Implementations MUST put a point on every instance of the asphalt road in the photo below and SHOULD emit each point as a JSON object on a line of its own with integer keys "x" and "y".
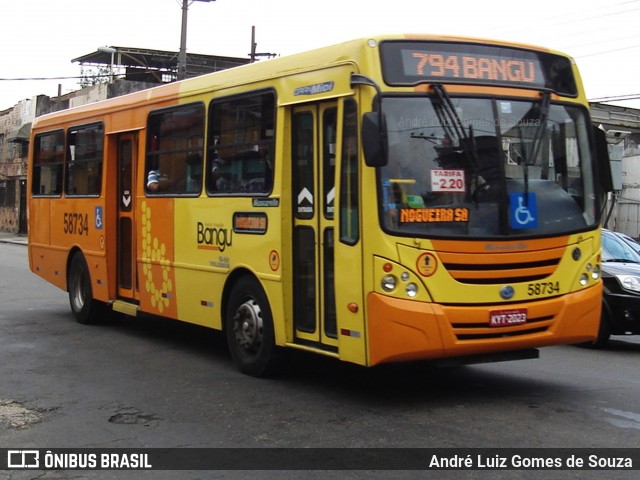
{"x": 146, "y": 382}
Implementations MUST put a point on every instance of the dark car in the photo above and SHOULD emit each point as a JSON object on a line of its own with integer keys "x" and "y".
{"x": 628, "y": 240}
{"x": 621, "y": 277}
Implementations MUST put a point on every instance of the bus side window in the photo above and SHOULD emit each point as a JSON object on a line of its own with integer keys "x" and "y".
{"x": 240, "y": 145}
{"x": 84, "y": 160}
{"x": 349, "y": 185}
{"x": 193, "y": 173}
{"x": 48, "y": 161}
{"x": 175, "y": 151}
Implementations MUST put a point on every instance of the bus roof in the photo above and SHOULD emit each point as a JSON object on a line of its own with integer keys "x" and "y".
{"x": 353, "y": 51}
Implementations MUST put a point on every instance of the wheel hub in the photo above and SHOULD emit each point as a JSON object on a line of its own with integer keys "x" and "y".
{"x": 248, "y": 326}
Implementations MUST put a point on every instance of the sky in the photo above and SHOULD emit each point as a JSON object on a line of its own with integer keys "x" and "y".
{"x": 41, "y": 37}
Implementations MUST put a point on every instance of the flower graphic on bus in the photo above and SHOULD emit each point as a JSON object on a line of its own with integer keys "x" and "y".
{"x": 154, "y": 253}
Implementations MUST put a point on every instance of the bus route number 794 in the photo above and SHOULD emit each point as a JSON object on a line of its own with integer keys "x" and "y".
{"x": 76, "y": 223}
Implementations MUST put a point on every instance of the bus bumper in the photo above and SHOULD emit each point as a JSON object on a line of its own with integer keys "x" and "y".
{"x": 405, "y": 330}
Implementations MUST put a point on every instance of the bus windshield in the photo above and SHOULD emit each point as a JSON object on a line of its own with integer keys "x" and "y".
{"x": 486, "y": 167}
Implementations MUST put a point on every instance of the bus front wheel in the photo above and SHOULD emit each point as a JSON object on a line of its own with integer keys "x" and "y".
{"x": 249, "y": 329}
{"x": 85, "y": 309}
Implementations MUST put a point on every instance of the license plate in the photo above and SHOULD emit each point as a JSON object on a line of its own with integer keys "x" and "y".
{"x": 507, "y": 318}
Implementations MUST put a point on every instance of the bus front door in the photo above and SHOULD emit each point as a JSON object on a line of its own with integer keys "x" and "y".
{"x": 126, "y": 208}
{"x": 314, "y": 136}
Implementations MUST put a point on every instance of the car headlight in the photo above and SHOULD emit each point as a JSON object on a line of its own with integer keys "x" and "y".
{"x": 629, "y": 282}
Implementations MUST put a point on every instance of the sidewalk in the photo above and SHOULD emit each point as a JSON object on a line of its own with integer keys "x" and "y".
{"x": 6, "y": 237}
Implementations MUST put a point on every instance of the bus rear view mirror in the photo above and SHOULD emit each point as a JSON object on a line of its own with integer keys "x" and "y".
{"x": 374, "y": 139}
{"x": 604, "y": 163}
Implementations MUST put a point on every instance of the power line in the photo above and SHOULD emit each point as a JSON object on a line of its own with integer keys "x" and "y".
{"x": 616, "y": 98}
{"x": 570, "y": 18}
{"x": 22, "y": 79}
{"x": 607, "y": 51}
{"x": 568, "y": 25}
{"x": 81, "y": 77}
{"x": 600, "y": 42}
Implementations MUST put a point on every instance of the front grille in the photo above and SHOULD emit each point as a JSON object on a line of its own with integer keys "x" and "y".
{"x": 496, "y": 268}
{"x": 500, "y": 263}
{"x": 480, "y": 331}
{"x": 484, "y": 336}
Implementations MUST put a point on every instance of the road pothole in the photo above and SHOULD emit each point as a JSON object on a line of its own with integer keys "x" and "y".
{"x": 133, "y": 417}
{"x": 15, "y": 415}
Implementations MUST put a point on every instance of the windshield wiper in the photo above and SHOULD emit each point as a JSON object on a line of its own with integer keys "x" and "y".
{"x": 447, "y": 114}
{"x": 541, "y": 118}
{"x": 453, "y": 127}
{"x": 542, "y": 126}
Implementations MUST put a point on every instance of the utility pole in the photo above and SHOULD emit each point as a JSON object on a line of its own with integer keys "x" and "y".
{"x": 254, "y": 45}
{"x": 253, "y": 55}
{"x": 182, "y": 54}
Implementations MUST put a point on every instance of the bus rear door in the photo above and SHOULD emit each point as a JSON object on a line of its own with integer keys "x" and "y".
{"x": 127, "y": 150}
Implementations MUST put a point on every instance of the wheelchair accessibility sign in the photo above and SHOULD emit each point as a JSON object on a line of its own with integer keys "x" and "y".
{"x": 523, "y": 212}
{"x": 99, "y": 218}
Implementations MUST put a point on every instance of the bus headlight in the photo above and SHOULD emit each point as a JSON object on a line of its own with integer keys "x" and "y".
{"x": 584, "y": 279}
{"x": 389, "y": 283}
{"x": 595, "y": 274}
{"x": 396, "y": 280}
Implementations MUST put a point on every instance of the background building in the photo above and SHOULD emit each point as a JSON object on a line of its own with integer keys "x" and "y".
{"x": 106, "y": 73}
{"x": 622, "y": 126}
{"x": 113, "y": 71}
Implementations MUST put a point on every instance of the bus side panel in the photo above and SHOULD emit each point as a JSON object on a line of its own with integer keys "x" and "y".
{"x": 156, "y": 257}
{"x": 39, "y": 236}
{"x": 79, "y": 223}
{"x": 97, "y": 264}
{"x": 48, "y": 256}
{"x": 50, "y": 263}
{"x": 209, "y": 245}
{"x": 199, "y": 295}
{"x": 39, "y": 218}
{"x": 202, "y": 238}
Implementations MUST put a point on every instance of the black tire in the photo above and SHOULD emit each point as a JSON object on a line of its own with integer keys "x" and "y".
{"x": 249, "y": 330}
{"x": 84, "y": 307}
{"x": 604, "y": 332}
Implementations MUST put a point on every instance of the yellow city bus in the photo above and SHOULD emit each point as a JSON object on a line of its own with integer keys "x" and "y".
{"x": 395, "y": 198}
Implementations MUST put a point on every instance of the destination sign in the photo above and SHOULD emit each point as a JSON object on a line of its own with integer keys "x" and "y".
{"x": 412, "y": 63}
{"x": 433, "y": 215}
{"x": 472, "y": 67}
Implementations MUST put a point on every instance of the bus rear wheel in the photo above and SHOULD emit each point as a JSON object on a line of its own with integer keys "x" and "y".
{"x": 84, "y": 307}
{"x": 249, "y": 329}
